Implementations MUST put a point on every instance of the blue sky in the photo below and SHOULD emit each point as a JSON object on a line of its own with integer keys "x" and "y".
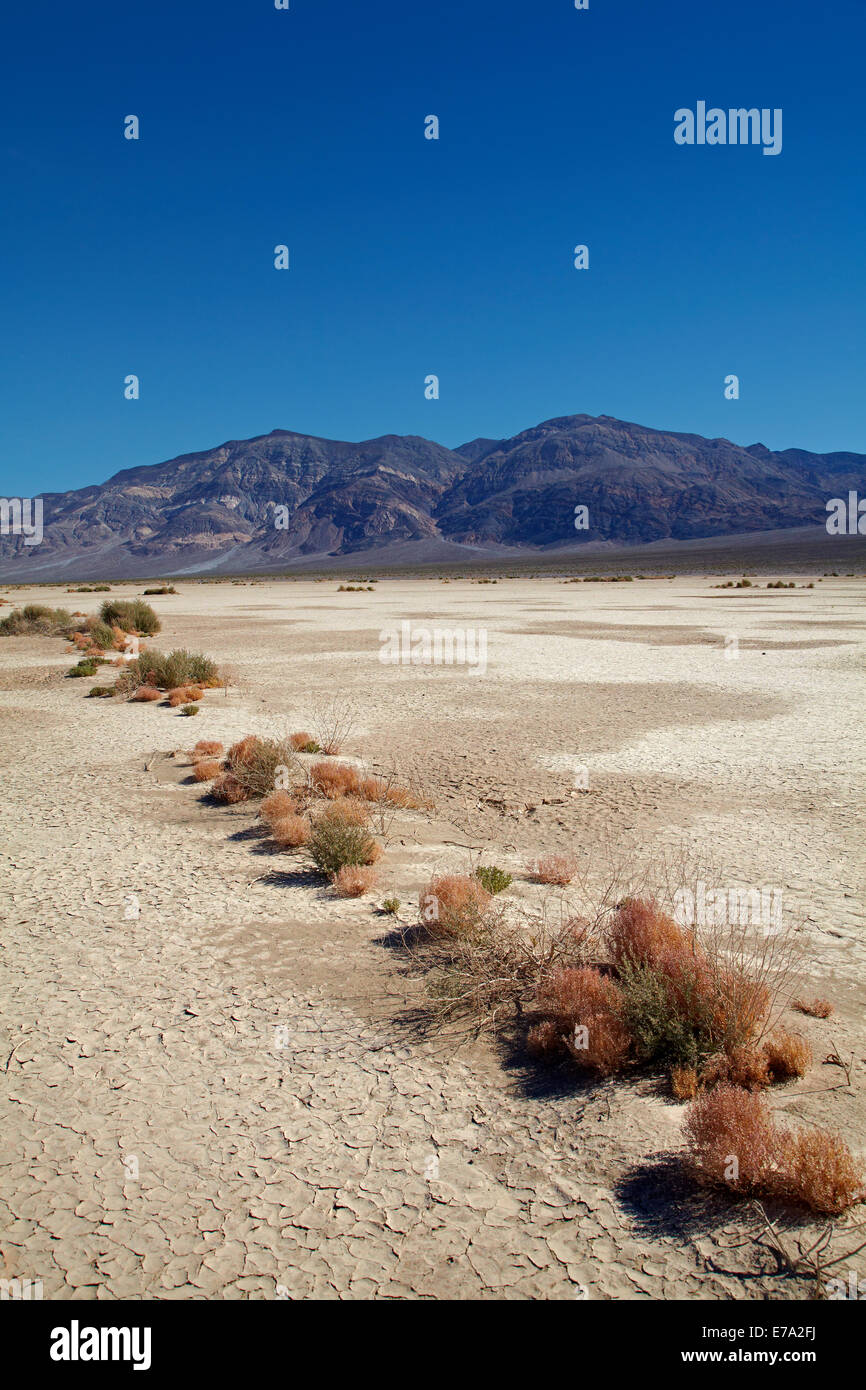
{"x": 410, "y": 256}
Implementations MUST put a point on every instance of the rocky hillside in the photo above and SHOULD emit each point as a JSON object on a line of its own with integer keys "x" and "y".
{"x": 284, "y": 498}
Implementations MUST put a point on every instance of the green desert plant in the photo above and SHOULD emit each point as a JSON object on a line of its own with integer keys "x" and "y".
{"x": 169, "y": 671}
{"x": 492, "y": 879}
{"x": 35, "y": 619}
{"x": 133, "y": 615}
{"x": 335, "y": 844}
{"x": 189, "y": 710}
{"x": 88, "y": 667}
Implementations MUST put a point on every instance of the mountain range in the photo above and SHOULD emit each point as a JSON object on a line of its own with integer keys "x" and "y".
{"x": 284, "y": 500}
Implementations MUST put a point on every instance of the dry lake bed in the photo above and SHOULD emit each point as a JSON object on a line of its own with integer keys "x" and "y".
{"x": 216, "y": 1077}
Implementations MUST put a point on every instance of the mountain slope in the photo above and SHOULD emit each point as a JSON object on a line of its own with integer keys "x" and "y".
{"x": 265, "y": 502}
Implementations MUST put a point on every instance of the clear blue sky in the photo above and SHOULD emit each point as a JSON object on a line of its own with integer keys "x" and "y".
{"x": 411, "y": 256}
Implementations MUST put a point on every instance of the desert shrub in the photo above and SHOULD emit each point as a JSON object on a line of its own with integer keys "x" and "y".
{"x": 165, "y": 589}
{"x": 87, "y": 667}
{"x": 257, "y": 762}
{"x": 349, "y": 810}
{"x": 454, "y": 903}
{"x": 552, "y": 868}
{"x": 643, "y": 935}
{"x": 820, "y": 1172}
{"x": 229, "y": 790}
{"x": 169, "y": 671}
{"x": 681, "y": 1003}
{"x": 101, "y": 634}
{"x": 277, "y": 806}
{"x": 788, "y": 1055}
{"x": 545, "y": 1039}
{"x": 335, "y": 779}
{"x": 207, "y": 748}
{"x": 352, "y": 881}
{"x": 133, "y": 615}
{"x": 291, "y": 831}
{"x": 815, "y": 1008}
{"x": 668, "y": 1023}
{"x": 36, "y": 619}
{"x": 391, "y": 906}
{"x": 492, "y": 879}
{"x": 304, "y": 743}
{"x": 145, "y": 692}
{"x": 732, "y": 1139}
{"x": 744, "y": 1066}
{"x": 586, "y": 1007}
{"x": 103, "y": 692}
{"x": 334, "y": 844}
{"x": 333, "y": 722}
{"x": 734, "y": 1142}
{"x": 684, "y": 1083}
{"x": 206, "y": 769}
{"x": 242, "y": 752}
{"x": 384, "y": 791}
{"x": 190, "y": 710}
{"x": 183, "y": 694}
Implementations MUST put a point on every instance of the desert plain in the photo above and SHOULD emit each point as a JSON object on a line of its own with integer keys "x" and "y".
{"x": 217, "y": 1077}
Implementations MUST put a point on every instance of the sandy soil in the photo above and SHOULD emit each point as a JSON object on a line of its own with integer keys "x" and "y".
{"x": 211, "y": 1084}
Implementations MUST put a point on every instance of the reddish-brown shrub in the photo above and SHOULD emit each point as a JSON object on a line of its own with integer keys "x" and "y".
{"x": 353, "y": 880}
{"x": 821, "y": 1172}
{"x": 243, "y": 751}
{"x": 815, "y": 1008}
{"x": 277, "y": 806}
{"x": 206, "y": 769}
{"x": 335, "y": 779}
{"x": 454, "y": 903}
{"x": 300, "y": 740}
{"x": 749, "y": 1067}
{"x": 553, "y": 868}
{"x": 643, "y": 934}
{"x": 545, "y": 1039}
{"x": 734, "y": 1142}
{"x": 587, "y": 1006}
{"x": 787, "y": 1055}
{"x": 207, "y": 748}
{"x": 385, "y": 792}
{"x": 349, "y": 810}
{"x": 228, "y": 789}
{"x": 183, "y": 695}
{"x": 290, "y": 831}
{"x": 732, "y": 1138}
{"x": 146, "y": 692}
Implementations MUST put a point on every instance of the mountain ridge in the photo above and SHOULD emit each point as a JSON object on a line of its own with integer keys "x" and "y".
{"x": 285, "y": 497}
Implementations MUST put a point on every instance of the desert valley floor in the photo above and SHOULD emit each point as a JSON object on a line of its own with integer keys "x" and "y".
{"x": 157, "y": 1143}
